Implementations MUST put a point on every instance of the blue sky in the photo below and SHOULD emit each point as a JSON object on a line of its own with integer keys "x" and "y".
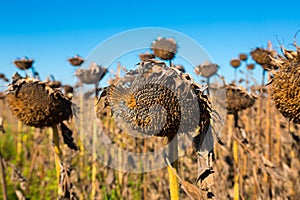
{"x": 52, "y": 31}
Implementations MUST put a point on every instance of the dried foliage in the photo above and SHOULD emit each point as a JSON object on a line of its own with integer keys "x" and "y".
{"x": 36, "y": 104}
{"x": 164, "y": 48}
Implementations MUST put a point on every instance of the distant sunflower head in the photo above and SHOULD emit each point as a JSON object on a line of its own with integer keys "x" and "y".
{"x": 23, "y": 63}
{"x": 158, "y": 101}
{"x": 235, "y": 63}
{"x": 3, "y": 77}
{"x": 92, "y": 75}
{"x": 164, "y": 48}
{"x": 76, "y": 61}
{"x": 250, "y": 66}
{"x": 206, "y": 69}
{"x": 237, "y": 99}
{"x": 146, "y": 56}
{"x": 243, "y": 56}
{"x": 285, "y": 85}
{"x": 36, "y": 104}
{"x": 264, "y": 57}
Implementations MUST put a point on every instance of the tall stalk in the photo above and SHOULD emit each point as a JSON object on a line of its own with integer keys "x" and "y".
{"x": 3, "y": 179}
{"x": 19, "y": 141}
{"x": 94, "y": 152}
{"x": 173, "y": 155}
{"x": 54, "y": 137}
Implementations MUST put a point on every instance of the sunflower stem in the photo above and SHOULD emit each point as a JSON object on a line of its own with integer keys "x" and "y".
{"x": 19, "y": 141}
{"x": 94, "y": 153}
{"x": 173, "y": 155}
{"x": 57, "y": 155}
{"x": 3, "y": 180}
{"x": 208, "y": 85}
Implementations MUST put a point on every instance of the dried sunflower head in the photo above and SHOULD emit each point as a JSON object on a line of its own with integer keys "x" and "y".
{"x": 206, "y": 69}
{"x": 250, "y": 66}
{"x": 263, "y": 57}
{"x": 76, "y": 61}
{"x": 243, "y": 57}
{"x": 92, "y": 75}
{"x": 3, "y": 77}
{"x": 159, "y": 101}
{"x": 164, "y": 48}
{"x": 285, "y": 85}
{"x": 146, "y": 56}
{"x": 36, "y": 104}
{"x": 23, "y": 63}
{"x": 235, "y": 63}
{"x": 237, "y": 99}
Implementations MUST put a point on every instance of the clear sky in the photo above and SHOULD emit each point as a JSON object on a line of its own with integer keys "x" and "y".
{"x": 52, "y": 31}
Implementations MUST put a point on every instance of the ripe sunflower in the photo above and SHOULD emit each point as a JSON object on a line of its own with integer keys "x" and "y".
{"x": 285, "y": 84}
{"x": 160, "y": 101}
{"x": 36, "y": 104}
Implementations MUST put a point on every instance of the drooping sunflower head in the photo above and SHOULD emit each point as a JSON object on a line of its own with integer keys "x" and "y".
{"x": 235, "y": 63}
{"x": 206, "y": 69}
{"x": 92, "y": 75}
{"x": 23, "y": 63}
{"x": 36, "y": 104}
{"x": 159, "y": 100}
{"x": 146, "y": 56}
{"x": 264, "y": 57}
{"x": 285, "y": 84}
{"x": 76, "y": 61}
{"x": 237, "y": 99}
{"x": 164, "y": 48}
{"x": 243, "y": 56}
